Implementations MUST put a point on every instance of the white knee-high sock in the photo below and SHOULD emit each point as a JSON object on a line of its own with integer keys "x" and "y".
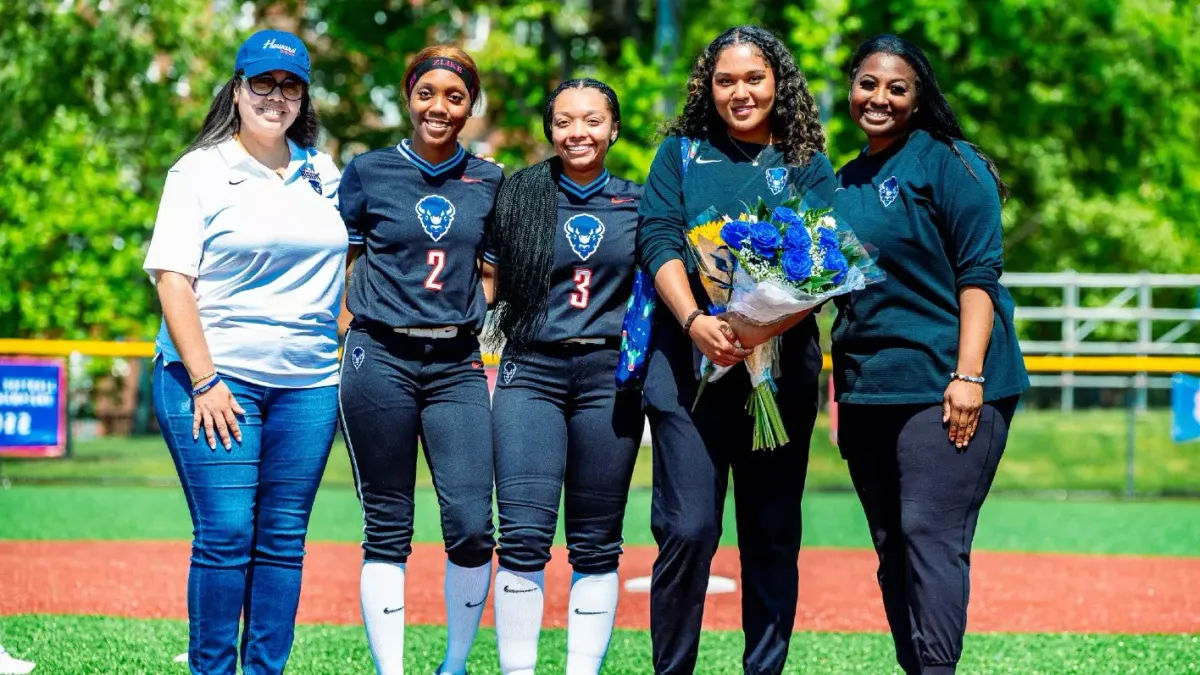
{"x": 518, "y": 601}
{"x": 466, "y": 591}
{"x": 382, "y": 591}
{"x": 592, "y": 611}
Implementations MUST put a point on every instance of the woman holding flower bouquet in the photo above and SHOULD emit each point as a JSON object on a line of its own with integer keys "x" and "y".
{"x": 749, "y": 131}
{"x": 927, "y": 366}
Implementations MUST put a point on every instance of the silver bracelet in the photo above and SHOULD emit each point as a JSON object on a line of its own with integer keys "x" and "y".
{"x": 966, "y": 378}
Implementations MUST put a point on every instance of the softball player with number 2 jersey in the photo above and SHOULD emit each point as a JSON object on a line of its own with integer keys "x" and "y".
{"x": 411, "y": 369}
{"x": 566, "y": 236}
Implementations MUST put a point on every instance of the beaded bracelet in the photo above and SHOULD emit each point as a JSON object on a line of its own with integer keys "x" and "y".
{"x": 205, "y": 387}
{"x": 966, "y": 378}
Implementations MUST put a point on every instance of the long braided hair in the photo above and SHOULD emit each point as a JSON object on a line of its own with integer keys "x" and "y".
{"x": 794, "y": 117}
{"x": 525, "y": 225}
{"x": 934, "y": 114}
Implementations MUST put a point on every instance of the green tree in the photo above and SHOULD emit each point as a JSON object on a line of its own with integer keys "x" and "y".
{"x": 1087, "y": 106}
{"x": 100, "y": 97}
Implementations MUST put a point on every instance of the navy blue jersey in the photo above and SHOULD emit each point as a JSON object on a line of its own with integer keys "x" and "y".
{"x": 592, "y": 272}
{"x": 424, "y": 229}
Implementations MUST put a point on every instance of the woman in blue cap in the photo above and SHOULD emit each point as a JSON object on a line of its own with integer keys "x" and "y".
{"x": 247, "y": 256}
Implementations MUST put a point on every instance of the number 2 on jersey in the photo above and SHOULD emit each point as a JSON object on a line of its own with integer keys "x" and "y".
{"x": 582, "y": 292}
{"x": 436, "y": 259}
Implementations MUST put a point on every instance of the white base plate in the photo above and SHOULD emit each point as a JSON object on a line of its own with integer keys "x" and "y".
{"x": 715, "y": 585}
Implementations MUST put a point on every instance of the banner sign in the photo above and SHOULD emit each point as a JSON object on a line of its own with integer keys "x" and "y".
{"x": 1185, "y": 408}
{"x": 33, "y": 407}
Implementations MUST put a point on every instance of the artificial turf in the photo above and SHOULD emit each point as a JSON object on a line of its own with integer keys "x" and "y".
{"x": 1081, "y": 451}
{"x": 86, "y": 645}
{"x": 1160, "y": 527}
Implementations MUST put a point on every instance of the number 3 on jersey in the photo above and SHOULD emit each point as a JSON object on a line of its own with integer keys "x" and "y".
{"x": 582, "y": 292}
{"x": 436, "y": 259}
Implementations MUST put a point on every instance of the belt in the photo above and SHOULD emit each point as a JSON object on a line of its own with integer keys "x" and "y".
{"x": 611, "y": 341}
{"x": 443, "y": 332}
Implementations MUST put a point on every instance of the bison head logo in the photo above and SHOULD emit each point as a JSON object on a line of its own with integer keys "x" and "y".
{"x": 584, "y": 233}
{"x": 436, "y": 214}
{"x": 777, "y": 179}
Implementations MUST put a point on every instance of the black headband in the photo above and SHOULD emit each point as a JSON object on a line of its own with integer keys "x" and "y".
{"x": 443, "y": 63}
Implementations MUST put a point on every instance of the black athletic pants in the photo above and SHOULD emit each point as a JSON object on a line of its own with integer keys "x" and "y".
{"x": 394, "y": 389}
{"x": 922, "y": 496}
{"x": 559, "y": 426}
{"x": 693, "y": 456}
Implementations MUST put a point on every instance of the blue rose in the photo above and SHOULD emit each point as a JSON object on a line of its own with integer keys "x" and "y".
{"x": 797, "y": 264}
{"x": 786, "y": 216}
{"x": 797, "y": 237}
{"x": 764, "y": 238}
{"x": 835, "y": 261}
{"x": 735, "y": 233}
{"x": 827, "y": 238}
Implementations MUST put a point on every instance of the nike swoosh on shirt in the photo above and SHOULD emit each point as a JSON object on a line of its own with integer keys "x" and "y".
{"x": 237, "y": 182}
{"x": 706, "y": 161}
{"x": 471, "y": 180}
{"x": 622, "y": 201}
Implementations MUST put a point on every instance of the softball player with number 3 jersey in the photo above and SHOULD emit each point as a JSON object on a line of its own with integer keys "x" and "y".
{"x": 566, "y": 237}
{"x": 411, "y": 368}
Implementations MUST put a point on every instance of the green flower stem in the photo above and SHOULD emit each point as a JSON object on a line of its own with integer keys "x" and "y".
{"x": 769, "y": 432}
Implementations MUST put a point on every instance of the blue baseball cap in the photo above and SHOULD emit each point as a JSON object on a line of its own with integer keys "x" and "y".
{"x": 269, "y": 50}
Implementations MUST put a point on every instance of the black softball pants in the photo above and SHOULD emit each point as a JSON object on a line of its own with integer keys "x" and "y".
{"x": 394, "y": 390}
{"x": 560, "y": 427}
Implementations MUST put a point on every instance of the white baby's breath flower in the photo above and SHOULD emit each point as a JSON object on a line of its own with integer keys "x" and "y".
{"x": 828, "y": 221}
{"x": 818, "y": 258}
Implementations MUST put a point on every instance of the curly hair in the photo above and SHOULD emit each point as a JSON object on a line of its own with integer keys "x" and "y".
{"x": 794, "y": 117}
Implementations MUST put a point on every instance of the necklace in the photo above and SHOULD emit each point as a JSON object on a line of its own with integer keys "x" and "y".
{"x": 754, "y": 159}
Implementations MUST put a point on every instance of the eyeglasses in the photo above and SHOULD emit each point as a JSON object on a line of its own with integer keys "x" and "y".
{"x": 263, "y": 85}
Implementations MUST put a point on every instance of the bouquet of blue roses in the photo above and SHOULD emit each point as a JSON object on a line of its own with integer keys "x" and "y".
{"x": 765, "y": 265}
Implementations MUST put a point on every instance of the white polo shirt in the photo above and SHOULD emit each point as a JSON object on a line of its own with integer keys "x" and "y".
{"x": 268, "y": 258}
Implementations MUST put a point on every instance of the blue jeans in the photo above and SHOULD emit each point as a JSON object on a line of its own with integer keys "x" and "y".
{"x": 250, "y": 507}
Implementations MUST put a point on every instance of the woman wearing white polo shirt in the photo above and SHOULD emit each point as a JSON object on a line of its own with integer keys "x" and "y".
{"x": 247, "y": 255}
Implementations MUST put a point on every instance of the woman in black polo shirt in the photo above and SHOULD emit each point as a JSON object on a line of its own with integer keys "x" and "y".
{"x": 756, "y": 134}
{"x": 926, "y": 364}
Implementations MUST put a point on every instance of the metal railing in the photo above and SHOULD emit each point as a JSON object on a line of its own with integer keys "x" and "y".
{"x": 1133, "y": 303}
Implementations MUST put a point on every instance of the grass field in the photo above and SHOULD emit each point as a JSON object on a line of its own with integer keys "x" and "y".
{"x": 134, "y": 647}
{"x": 1047, "y": 451}
{"x": 62, "y": 500}
{"x": 1161, "y": 527}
